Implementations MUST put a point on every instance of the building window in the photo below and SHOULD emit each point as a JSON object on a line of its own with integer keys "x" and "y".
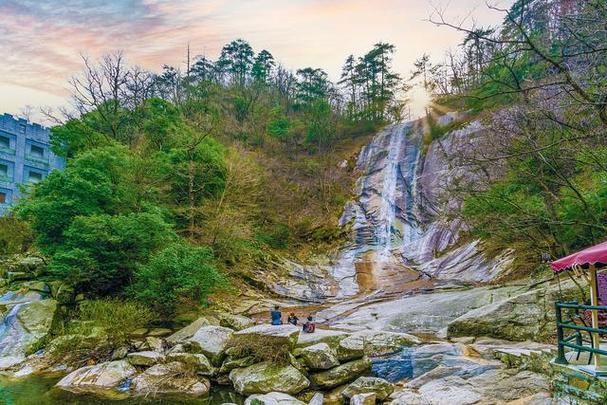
{"x": 6, "y": 171}
{"x": 5, "y": 142}
{"x": 3, "y": 198}
{"x": 36, "y": 151}
{"x": 34, "y": 177}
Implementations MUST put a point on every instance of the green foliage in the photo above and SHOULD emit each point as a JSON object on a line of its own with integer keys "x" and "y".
{"x": 147, "y": 173}
{"x": 522, "y": 212}
{"x": 237, "y": 60}
{"x": 279, "y": 126}
{"x": 202, "y": 163}
{"x": 371, "y": 84}
{"x": 99, "y": 181}
{"x": 276, "y": 236}
{"x": 96, "y": 220}
{"x": 259, "y": 349}
{"x": 160, "y": 122}
{"x": 117, "y": 318}
{"x": 178, "y": 273}
{"x": 97, "y": 328}
{"x": 16, "y": 236}
{"x": 320, "y": 128}
{"x": 76, "y": 135}
{"x": 99, "y": 253}
{"x": 499, "y": 82}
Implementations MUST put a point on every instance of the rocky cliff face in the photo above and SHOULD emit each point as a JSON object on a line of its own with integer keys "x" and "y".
{"x": 402, "y": 232}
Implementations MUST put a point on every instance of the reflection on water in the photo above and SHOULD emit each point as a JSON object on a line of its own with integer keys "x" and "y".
{"x": 39, "y": 391}
{"x": 394, "y": 367}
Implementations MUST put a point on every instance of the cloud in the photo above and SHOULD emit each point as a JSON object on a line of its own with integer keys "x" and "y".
{"x": 42, "y": 40}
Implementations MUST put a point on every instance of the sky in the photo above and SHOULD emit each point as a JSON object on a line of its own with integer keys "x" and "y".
{"x": 42, "y": 41}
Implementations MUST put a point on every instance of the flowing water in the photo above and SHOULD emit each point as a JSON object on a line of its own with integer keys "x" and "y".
{"x": 39, "y": 390}
{"x": 384, "y": 220}
{"x": 385, "y": 231}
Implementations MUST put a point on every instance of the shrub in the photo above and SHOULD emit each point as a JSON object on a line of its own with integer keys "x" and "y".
{"x": 259, "y": 349}
{"x": 16, "y": 236}
{"x": 97, "y": 328}
{"x": 118, "y": 318}
{"x": 177, "y": 273}
{"x": 100, "y": 252}
{"x": 276, "y": 236}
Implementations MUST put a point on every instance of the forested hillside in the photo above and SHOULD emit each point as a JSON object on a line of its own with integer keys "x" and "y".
{"x": 538, "y": 84}
{"x": 191, "y": 179}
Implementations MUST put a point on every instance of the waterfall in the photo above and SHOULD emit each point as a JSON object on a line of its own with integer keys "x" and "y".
{"x": 400, "y": 238}
{"x": 384, "y": 211}
{"x": 411, "y": 229}
{"x": 388, "y": 195}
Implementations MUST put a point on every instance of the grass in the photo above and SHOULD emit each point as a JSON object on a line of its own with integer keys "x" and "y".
{"x": 95, "y": 329}
{"x": 260, "y": 349}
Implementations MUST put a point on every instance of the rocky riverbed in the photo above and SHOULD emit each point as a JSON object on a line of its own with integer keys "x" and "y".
{"x": 406, "y": 313}
{"x": 359, "y": 355}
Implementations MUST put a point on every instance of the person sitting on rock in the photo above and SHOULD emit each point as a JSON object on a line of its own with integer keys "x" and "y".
{"x": 276, "y": 316}
{"x": 293, "y": 319}
{"x": 310, "y": 325}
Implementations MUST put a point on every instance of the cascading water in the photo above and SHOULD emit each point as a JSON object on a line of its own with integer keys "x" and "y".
{"x": 384, "y": 213}
{"x": 388, "y": 203}
{"x": 400, "y": 238}
{"x": 8, "y": 323}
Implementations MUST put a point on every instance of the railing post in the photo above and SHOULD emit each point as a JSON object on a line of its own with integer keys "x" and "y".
{"x": 560, "y": 357}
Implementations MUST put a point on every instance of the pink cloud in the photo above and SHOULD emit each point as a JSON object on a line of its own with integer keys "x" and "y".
{"x": 42, "y": 40}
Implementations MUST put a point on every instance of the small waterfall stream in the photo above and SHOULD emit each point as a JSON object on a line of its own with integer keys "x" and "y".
{"x": 383, "y": 218}
{"x": 402, "y": 237}
{"x": 388, "y": 203}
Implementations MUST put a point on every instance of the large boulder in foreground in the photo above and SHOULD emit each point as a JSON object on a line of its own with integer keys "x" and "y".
{"x": 99, "y": 378}
{"x": 168, "y": 379}
{"x": 145, "y": 359}
{"x": 329, "y": 336}
{"x": 341, "y": 374}
{"x": 236, "y": 322}
{"x": 351, "y": 348}
{"x": 527, "y": 316}
{"x": 273, "y": 398}
{"x": 188, "y": 331}
{"x": 319, "y": 357}
{"x": 378, "y": 343}
{"x": 373, "y": 343}
{"x": 367, "y": 398}
{"x": 272, "y": 335}
{"x": 263, "y": 378}
{"x": 378, "y": 386}
{"x": 465, "y": 381}
{"x": 211, "y": 341}
{"x": 196, "y": 361}
{"x": 26, "y": 321}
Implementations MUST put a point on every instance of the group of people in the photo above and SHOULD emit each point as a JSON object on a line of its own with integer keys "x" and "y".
{"x": 276, "y": 319}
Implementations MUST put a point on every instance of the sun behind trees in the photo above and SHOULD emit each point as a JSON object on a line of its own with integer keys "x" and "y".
{"x": 538, "y": 84}
{"x": 177, "y": 177}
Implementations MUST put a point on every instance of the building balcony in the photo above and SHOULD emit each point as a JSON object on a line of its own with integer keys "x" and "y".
{"x": 37, "y": 159}
{"x": 8, "y": 151}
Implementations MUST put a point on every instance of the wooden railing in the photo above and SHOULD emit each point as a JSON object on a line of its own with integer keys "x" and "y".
{"x": 566, "y": 340}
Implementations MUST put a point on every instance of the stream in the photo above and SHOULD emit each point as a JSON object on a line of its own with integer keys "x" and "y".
{"x": 38, "y": 390}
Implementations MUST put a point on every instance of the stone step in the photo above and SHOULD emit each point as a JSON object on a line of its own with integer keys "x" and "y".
{"x": 536, "y": 359}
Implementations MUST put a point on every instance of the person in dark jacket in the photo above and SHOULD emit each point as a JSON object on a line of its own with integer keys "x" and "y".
{"x": 293, "y": 319}
{"x": 276, "y": 316}
{"x": 310, "y": 325}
